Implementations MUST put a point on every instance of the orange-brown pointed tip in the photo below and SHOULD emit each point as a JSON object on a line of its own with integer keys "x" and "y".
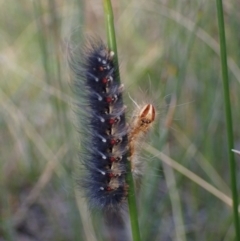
{"x": 148, "y": 112}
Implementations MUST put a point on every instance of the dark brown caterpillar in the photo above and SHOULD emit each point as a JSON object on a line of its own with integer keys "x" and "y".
{"x": 103, "y": 127}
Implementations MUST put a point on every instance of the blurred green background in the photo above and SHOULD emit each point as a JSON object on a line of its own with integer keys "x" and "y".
{"x": 169, "y": 56}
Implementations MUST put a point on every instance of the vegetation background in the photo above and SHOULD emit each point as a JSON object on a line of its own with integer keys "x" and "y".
{"x": 169, "y": 55}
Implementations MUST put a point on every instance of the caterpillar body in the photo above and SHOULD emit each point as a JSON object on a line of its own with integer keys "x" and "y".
{"x": 140, "y": 124}
{"x": 104, "y": 136}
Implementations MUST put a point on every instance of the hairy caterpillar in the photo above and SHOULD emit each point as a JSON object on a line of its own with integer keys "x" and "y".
{"x": 104, "y": 129}
{"x": 140, "y": 124}
{"x": 106, "y": 140}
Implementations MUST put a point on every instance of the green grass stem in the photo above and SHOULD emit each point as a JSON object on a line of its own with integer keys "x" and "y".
{"x": 112, "y": 45}
{"x": 228, "y": 114}
{"x": 111, "y": 38}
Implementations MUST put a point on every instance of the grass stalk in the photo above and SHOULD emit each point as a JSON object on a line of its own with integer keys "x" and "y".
{"x": 41, "y": 39}
{"x": 228, "y": 114}
{"x": 172, "y": 185}
{"x": 111, "y": 38}
{"x": 112, "y": 45}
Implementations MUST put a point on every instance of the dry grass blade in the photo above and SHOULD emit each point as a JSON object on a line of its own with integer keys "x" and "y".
{"x": 223, "y": 197}
{"x": 41, "y": 183}
{"x": 236, "y": 151}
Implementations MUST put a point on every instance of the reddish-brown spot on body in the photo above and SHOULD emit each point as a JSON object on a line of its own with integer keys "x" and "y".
{"x": 111, "y": 121}
{"x": 112, "y": 159}
{"x": 104, "y": 80}
{"x": 109, "y": 189}
{"x": 109, "y": 99}
{"x": 111, "y": 175}
{"x": 113, "y": 141}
